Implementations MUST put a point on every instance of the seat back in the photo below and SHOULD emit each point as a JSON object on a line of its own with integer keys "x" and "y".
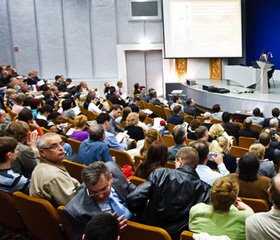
{"x": 122, "y": 157}
{"x": 75, "y": 145}
{"x": 167, "y": 112}
{"x": 10, "y": 217}
{"x": 170, "y": 164}
{"x": 258, "y": 205}
{"x": 74, "y": 169}
{"x": 137, "y": 180}
{"x": 149, "y": 120}
{"x": 158, "y": 110}
{"x": 43, "y": 224}
{"x": 138, "y": 159}
{"x": 138, "y": 231}
{"x": 170, "y": 127}
{"x": 168, "y": 139}
{"x": 238, "y": 151}
{"x": 186, "y": 235}
{"x": 64, "y": 221}
{"x": 257, "y": 127}
{"x": 246, "y": 142}
{"x": 215, "y": 121}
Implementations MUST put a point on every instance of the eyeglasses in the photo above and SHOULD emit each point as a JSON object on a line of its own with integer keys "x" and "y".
{"x": 106, "y": 189}
{"x": 54, "y": 146}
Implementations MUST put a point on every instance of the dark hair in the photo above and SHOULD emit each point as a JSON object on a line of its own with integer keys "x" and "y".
{"x": 194, "y": 124}
{"x": 25, "y": 115}
{"x": 157, "y": 156}
{"x": 200, "y": 131}
{"x": 102, "y": 118}
{"x": 137, "y": 99}
{"x": 57, "y": 77}
{"x": 275, "y": 191}
{"x": 248, "y": 165}
{"x": 92, "y": 173}
{"x": 175, "y": 98}
{"x": 226, "y": 116}
{"x": 103, "y": 226}
{"x": 67, "y": 104}
{"x": 136, "y": 85}
{"x": 202, "y": 148}
{"x": 112, "y": 89}
{"x": 46, "y": 108}
{"x": 116, "y": 107}
{"x": 257, "y": 112}
{"x": 7, "y": 144}
{"x": 216, "y": 108}
{"x": 275, "y": 112}
{"x": 177, "y": 109}
{"x": 179, "y": 134}
{"x": 96, "y": 132}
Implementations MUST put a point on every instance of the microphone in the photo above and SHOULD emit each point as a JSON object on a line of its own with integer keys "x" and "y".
{"x": 270, "y": 54}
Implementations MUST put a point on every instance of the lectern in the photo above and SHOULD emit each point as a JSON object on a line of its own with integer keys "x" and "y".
{"x": 263, "y": 83}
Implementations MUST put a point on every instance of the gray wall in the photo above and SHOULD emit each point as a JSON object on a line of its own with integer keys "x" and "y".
{"x": 77, "y": 38}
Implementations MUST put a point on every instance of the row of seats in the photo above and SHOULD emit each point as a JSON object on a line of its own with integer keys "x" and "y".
{"x": 50, "y": 223}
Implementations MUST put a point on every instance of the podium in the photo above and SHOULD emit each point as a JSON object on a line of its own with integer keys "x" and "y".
{"x": 263, "y": 83}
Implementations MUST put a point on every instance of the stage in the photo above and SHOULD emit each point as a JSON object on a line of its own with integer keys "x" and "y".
{"x": 238, "y": 100}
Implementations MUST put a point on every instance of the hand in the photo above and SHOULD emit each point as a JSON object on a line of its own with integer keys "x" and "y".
{"x": 219, "y": 159}
{"x": 277, "y": 137}
{"x": 32, "y": 139}
{"x": 241, "y": 205}
{"x": 122, "y": 222}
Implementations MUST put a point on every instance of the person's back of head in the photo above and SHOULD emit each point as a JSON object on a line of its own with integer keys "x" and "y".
{"x": 216, "y": 108}
{"x": 102, "y": 117}
{"x": 67, "y": 104}
{"x": 187, "y": 156}
{"x": 7, "y": 144}
{"x": 265, "y": 138}
{"x": 175, "y": 99}
{"x": 207, "y": 116}
{"x": 142, "y": 116}
{"x": 102, "y": 226}
{"x": 132, "y": 119}
{"x": 224, "y": 193}
{"x": 19, "y": 98}
{"x": 274, "y": 191}
{"x": 257, "y": 112}
{"x": 194, "y": 124}
{"x": 151, "y": 136}
{"x": 46, "y": 109}
{"x": 152, "y": 94}
{"x": 18, "y": 130}
{"x": 274, "y": 123}
{"x": 190, "y": 101}
{"x": 216, "y": 130}
{"x": 200, "y": 132}
{"x": 247, "y": 122}
{"x": 257, "y": 149}
{"x": 25, "y": 115}
{"x": 226, "y": 116}
{"x": 80, "y": 121}
{"x": 275, "y": 112}
{"x": 202, "y": 148}
{"x": 177, "y": 109}
{"x": 248, "y": 165}
{"x": 96, "y": 133}
{"x": 179, "y": 134}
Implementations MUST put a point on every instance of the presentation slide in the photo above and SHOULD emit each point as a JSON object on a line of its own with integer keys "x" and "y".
{"x": 202, "y": 28}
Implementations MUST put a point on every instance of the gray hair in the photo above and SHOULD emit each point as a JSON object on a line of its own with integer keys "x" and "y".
{"x": 92, "y": 173}
{"x": 274, "y": 123}
{"x": 42, "y": 140}
{"x": 96, "y": 132}
{"x": 179, "y": 134}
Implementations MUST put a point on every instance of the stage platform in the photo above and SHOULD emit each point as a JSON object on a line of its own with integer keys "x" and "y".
{"x": 238, "y": 100}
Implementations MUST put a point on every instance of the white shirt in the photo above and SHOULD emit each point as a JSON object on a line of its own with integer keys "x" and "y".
{"x": 93, "y": 108}
{"x": 206, "y": 174}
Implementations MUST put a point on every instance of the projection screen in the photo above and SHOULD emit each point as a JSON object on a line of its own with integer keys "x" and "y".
{"x": 202, "y": 28}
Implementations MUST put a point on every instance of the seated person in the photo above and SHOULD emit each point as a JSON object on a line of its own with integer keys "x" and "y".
{"x": 257, "y": 117}
{"x": 132, "y": 128}
{"x": 80, "y": 133}
{"x": 50, "y": 180}
{"x": 250, "y": 184}
{"x": 225, "y": 216}
{"x": 179, "y": 136}
{"x": 9, "y": 180}
{"x": 94, "y": 148}
{"x": 217, "y": 112}
{"x": 176, "y": 117}
{"x": 103, "y": 226}
{"x": 231, "y": 128}
{"x": 247, "y": 131}
{"x": 105, "y": 189}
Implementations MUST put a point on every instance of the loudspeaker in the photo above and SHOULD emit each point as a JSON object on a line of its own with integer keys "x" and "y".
{"x": 191, "y": 82}
{"x": 204, "y": 87}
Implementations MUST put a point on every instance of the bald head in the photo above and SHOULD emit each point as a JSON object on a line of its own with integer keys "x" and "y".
{"x": 274, "y": 191}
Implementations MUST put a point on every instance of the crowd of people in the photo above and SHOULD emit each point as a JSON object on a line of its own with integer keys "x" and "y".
{"x": 202, "y": 193}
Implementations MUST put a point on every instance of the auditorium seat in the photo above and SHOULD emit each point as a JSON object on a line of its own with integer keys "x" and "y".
{"x": 74, "y": 169}
{"x": 258, "y": 205}
{"x": 75, "y": 145}
{"x": 238, "y": 151}
{"x": 246, "y": 142}
{"x": 186, "y": 235}
{"x": 122, "y": 157}
{"x": 137, "y": 160}
{"x": 137, "y": 180}
{"x": 168, "y": 140}
{"x": 65, "y": 224}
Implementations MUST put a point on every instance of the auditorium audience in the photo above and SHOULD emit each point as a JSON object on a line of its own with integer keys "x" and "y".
{"x": 179, "y": 137}
{"x": 122, "y": 120}
{"x": 132, "y": 128}
{"x": 217, "y": 113}
{"x": 257, "y": 117}
{"x": 18, "y": 106}
{"x": 231, "y": 128}
{"x": 275, "y": 112}
{"x": 207, "y": 116}
{"x": 80, "y": 124}
{"x": 115, "y": 112}
{"x": 247, "y": 131}
{"x": 176, "y": 117}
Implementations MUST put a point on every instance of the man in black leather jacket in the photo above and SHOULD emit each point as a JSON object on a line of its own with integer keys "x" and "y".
{"x": 165, "y": 199}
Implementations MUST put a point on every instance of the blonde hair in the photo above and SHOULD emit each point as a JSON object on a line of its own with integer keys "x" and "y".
{"x": 216, "y": 130}
{"x": 224, "y": 193}
{"x": 80, "y": 121}
{"x": 132, "y": 119}
{"x": 257, "y": 149}
{"x": 10, "y": 91}
{"x": 151, "y": 136}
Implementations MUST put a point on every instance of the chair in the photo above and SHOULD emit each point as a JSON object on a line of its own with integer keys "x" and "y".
{"x": 241, "y": 126}
{"x": 137, "y": 180}
{"x": 137, "y": 160}
{"x": 215, "y": 121}
{"x": 65, "y": 224}
{"x": 45, "y": 130}
{"x": 10, "y": 217}
{"x": 91, "y": 115}
{"x": 170, "y": 127}
{"x": 168, "y": 139}
{"x": 158, "y": 110}
{"x": 75, "y": 145}
{"x": 257, "y": 127}
{"x": 258, "y": 205}
{"x": 186, "y": 235}
{"x": 74, "y": 169}
{"x": 246, "y": 142}
{"x": 167, "y": 112}
{"x": 138, "y": 231}
{"x": 40, "y": 217}
{"x": 170, "y": 164}
{"x": 238, "y": 151}
{"x": 149, "y": 120}
{"x": 201, "y": 119}
{"x": 122, "y": 157}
